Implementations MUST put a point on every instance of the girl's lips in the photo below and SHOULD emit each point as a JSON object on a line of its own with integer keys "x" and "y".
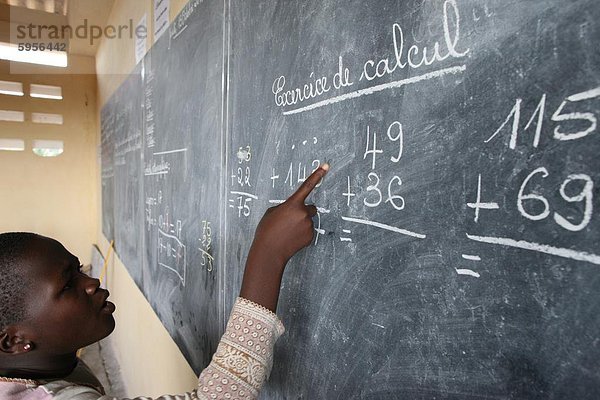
{"x": 108, "y": 307}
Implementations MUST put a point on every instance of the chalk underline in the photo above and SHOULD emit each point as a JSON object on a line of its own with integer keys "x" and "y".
{"x": 466, "y": 271}
{"x": 245, "y": 194}
{"x": 384, "y": 226}
{"x": 319, "y": 209}
{"x": 181, "y": 278}
{"x": 206, "y": 253}
{"x": 170, "y": 152}
{"x": 540, "y": 248}
{"x": 161, "y": 232}
{"x": 378, "y": 88}
{"x": 156, "y": 173}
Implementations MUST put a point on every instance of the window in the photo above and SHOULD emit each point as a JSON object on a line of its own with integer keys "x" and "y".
{"x": 48, "y": 148}
{"x": 14, "y": 116}
{"x": 11, "y": 88}
{"x": 12, "y": 144}
{"x": 46, "y": 92}
{"x": 11, "y": 52}
{"x": 42, "y": 118}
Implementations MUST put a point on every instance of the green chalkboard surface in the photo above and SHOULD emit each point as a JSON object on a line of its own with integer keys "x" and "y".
{"x": 456, "y": 251}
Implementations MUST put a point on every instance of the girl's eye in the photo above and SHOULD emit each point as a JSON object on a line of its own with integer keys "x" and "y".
{"x": 69, "y": 285}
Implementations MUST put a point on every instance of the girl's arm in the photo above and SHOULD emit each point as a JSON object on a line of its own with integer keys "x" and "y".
{"x": 244, "y": 356}
{"x": 282, "y": 231}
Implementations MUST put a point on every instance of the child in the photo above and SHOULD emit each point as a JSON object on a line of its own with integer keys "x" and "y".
{"x": 49, "y": 310}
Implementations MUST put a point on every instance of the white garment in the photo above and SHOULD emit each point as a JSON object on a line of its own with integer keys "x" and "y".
{"x": 238, "y": 370}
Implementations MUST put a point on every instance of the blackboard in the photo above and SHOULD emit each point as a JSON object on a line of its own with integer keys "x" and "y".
{"x": 127, "y": 130}
{"x": 107, "y": 178}
{"x": 182, "y": 164}
{"x": 456, "y": 246}
{"x": 121, "y": 146}
{"x": 161, "y": 171}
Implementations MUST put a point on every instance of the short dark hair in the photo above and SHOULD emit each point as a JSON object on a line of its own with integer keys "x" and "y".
{"x": 13, "y": 283}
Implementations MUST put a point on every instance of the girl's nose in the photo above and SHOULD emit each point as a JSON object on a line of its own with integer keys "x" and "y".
{"x": 91, "y": 285}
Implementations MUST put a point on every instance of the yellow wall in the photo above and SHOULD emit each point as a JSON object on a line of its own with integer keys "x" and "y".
{"x": 150, "y": 361}
{"x": 52, "y": 196}
{"x": 61, "y": 197}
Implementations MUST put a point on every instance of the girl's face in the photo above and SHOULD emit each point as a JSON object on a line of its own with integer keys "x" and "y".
{"x": 67, "y": 309}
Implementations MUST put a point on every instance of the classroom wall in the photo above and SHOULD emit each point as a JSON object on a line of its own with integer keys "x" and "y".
{"x": 150, "y": 361}
{"x": 52, "y": 196}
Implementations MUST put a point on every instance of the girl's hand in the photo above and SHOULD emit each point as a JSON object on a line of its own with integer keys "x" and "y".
{"x": 288, "y": 227}
{"x": 282, "y": 231}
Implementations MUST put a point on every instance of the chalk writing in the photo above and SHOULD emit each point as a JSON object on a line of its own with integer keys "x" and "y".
{"x": 576, "y": 118}
{"x": 414, "y": 58}
{"x": 205, "y": 248}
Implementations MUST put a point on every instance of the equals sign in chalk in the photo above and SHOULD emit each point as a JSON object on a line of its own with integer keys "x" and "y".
{"x": 466, "y": 271}
{"x": 346, "y": 239}
{"x": 232, "y": 203}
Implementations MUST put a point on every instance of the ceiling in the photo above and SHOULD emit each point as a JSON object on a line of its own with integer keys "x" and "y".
{"x": 59, "y": 13}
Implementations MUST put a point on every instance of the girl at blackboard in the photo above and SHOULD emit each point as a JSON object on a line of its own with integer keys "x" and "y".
{"x": 49, "y": 309}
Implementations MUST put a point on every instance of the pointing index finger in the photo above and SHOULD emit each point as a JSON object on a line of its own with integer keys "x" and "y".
{"x": 309, "y": 184}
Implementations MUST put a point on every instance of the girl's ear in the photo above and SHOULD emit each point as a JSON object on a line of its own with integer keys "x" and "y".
{"x": 12, "y": 342}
